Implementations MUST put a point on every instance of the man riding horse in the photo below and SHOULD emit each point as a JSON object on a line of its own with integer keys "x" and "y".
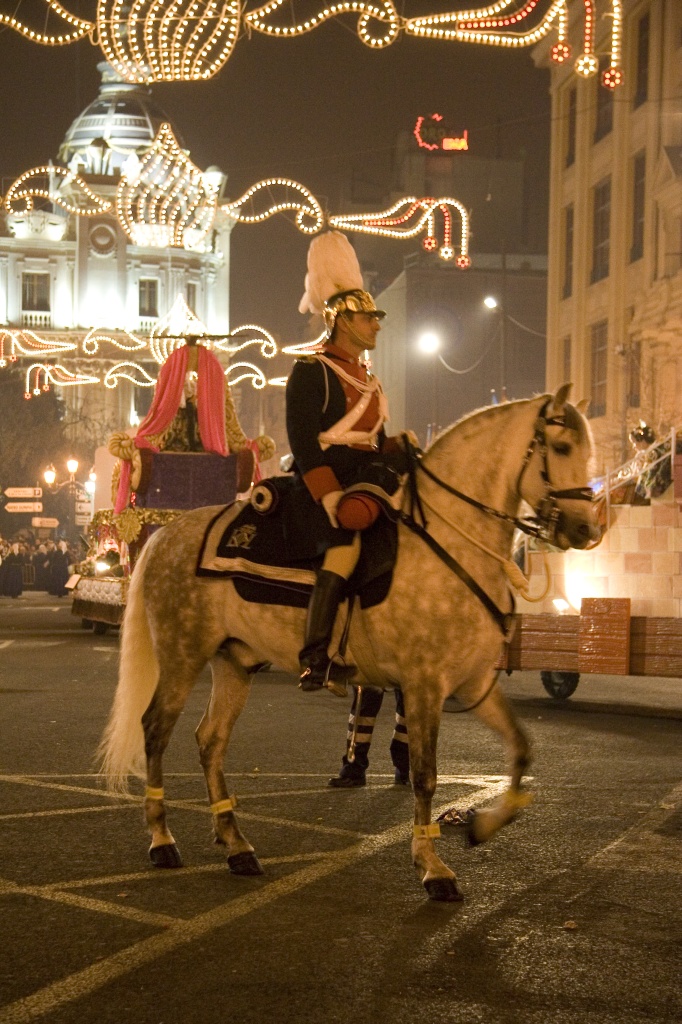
{"x": 336, "y": 410}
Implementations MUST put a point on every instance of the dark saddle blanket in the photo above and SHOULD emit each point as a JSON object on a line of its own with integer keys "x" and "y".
{"x": 272, "y": 556}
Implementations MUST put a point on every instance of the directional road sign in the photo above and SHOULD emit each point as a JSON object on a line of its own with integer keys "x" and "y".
{"x": 23, "y": 492}
{"x": 24, "y": 506}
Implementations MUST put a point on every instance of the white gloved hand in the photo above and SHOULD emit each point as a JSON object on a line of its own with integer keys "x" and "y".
{"x": 331, "y": 503}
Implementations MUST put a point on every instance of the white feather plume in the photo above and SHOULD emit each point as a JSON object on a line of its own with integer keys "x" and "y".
{"x": 332, "y": 267}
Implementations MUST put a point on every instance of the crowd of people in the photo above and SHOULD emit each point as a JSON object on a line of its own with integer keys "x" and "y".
{"x": 36, "y": 565}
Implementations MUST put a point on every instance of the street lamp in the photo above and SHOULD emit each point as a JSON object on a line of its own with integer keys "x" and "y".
{"x": 490, "y": 302}
{"x": 50, "y": 478}
{"x": 429, "y": 344}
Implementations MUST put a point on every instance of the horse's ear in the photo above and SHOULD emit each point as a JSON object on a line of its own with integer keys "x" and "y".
{"x": 560, "y": 399}
{"x": 583, "y": 405}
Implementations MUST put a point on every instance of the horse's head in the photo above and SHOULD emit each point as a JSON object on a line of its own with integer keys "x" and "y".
{"x": 556, "y": 472}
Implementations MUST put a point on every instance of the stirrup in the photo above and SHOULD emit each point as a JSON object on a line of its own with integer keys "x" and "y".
{"x": 338, "y": 685}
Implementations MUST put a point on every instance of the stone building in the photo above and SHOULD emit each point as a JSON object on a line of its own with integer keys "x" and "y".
{"x": 615, "y": 233}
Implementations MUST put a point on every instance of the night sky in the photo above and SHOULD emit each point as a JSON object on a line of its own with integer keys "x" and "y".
{"x": 320, "y": 109}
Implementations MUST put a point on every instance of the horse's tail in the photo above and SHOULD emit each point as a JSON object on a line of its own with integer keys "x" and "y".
{"x": 121, "y": 750}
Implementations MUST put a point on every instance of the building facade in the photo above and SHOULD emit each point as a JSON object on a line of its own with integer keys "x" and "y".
{"x": 614, "y": 318}
{"x": 62, "y": 274}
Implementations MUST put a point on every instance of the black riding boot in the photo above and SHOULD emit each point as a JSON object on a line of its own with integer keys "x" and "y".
{"x": 317, "y": 668}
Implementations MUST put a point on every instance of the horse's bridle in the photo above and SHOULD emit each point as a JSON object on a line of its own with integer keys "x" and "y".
{"x": 547, "y": 515}
{"x": 544, "y": 523}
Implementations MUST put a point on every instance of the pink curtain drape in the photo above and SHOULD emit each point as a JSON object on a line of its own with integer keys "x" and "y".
{"x": 166, "y": 402}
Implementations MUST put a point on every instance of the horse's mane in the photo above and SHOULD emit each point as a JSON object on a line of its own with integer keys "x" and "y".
{"x": 478, "y": 420}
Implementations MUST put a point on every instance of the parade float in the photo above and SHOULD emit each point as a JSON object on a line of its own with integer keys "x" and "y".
{"x": 189, "y": 451}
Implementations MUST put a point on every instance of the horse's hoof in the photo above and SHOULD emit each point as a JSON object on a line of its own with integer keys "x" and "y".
{"x": 443, "y": 890}
{"x": 166, "y": 856}
{"x": 245, "y": 863}
{"x": 402, "y": 778}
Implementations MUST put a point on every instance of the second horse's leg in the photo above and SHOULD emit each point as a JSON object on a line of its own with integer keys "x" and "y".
{"x": 497, "y": 713}
{"x": 231, "y": 685}
{"x": 423, "y": 719}
{"x": 158, "y": 722}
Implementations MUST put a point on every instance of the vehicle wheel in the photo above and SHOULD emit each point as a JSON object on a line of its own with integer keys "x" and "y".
{"x": 100, "y": 629}
{"x": 86, "y": 623}
{"x": 560, "y": 685}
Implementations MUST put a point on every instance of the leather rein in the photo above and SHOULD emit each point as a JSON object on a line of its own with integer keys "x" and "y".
{"x": 543, "y": 524}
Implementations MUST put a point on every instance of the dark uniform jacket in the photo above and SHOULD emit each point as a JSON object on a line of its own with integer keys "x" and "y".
{"x": 316, "y": 399}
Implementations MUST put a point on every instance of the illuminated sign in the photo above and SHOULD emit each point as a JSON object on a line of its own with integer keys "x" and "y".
{"x": 432, "y": 133}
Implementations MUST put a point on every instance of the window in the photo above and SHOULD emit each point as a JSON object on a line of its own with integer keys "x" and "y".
{"x": 604, "y": 116}
{"x": 568, "y": 251}
{"x": 642, "y": 68}
{"x": 192, "y": 297}
{"x": 598, "y": 352}
{"x": 566, "y": 354}
{"x": 601, "y": 227}
{"x": 571, "y": 123}
{"x": 634, "y": 374}
{"x": 149, "y": 297}
{"x": 35, "y": 293}
{"x": 638, "y": 176}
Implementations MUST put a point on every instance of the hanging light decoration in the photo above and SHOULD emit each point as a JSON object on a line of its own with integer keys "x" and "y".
{"x": 407, "y": 217}
{"x": 56, "y": 374}
{"x": 277, "y": 195}
{"x": 187, "y": 40}
{"x": 166, "y": 201}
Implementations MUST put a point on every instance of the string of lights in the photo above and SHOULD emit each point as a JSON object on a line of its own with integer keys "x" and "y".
{"x": 407, "y": 217}
{"x": 188, "y": 40}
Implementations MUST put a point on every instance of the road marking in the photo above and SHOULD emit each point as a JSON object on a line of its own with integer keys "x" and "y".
{"x": 643, "y": 847}
{"x": 96, "y": 976}
{"x": 53, "y": 894}
{"x": 6, "y": 643}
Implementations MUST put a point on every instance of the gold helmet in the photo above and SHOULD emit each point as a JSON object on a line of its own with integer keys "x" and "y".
{"x": 353, "y": 300}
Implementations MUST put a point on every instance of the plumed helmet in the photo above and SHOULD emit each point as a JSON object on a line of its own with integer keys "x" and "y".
{"x": 355, "y": 300}
{"x": 334, "y": 282}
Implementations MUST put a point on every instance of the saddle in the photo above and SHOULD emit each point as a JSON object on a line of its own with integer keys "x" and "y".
{"x": 269, "y": 548}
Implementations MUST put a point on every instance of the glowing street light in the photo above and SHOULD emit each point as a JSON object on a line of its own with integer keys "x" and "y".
{"x": 490, "y": 302}
{"x": 50, "y": 475}
{"x": 428, "y": 343}
{"x": 72, "y": 466}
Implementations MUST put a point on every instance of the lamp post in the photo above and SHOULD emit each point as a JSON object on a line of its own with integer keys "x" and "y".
{"x": 490, "y": 302}
{"x": 50, "y": 478}
{"x": 429, "y": 343}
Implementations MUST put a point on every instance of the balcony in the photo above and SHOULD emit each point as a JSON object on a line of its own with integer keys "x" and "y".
{"x": 36, "y": 319}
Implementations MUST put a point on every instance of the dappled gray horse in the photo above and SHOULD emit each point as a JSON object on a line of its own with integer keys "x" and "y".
{"x": 438, "y": 632}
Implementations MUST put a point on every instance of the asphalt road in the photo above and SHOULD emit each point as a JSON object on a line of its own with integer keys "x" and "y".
{"x": 572, "y": 914}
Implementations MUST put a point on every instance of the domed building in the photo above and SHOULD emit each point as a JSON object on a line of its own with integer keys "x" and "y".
{"x": 64, "y": 273}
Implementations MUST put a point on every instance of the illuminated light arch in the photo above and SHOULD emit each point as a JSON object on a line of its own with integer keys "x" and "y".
{"x": 383, "y": 12}
{"x": 263, "y": 338}
{"x": 56, "y": 374}
{"x": 28, "y": 343}
{"x": 39, "y": 183}
{"x": 407, "y": 217}
{"x": 132, "y": 372}
{"x": 166, "y": 201}
{"x": 188, "y": 40}
{"x": 79, "y": 28}
{"x": 97, "y": 336}
{"x": 246, "y": 371}
{"x": 281, "y": 195}
{"x": 167, "y": 40}
{"x": 169, "y": 330}
{"x": 303, "y": 348}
